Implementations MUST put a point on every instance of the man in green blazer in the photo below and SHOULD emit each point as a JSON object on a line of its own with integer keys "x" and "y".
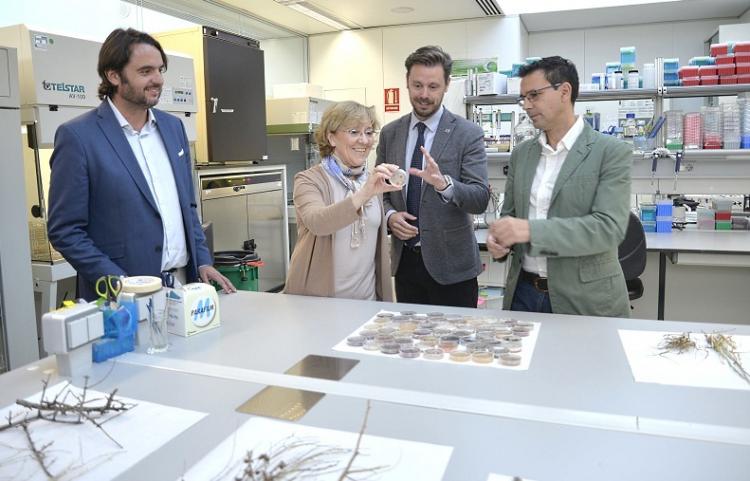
{"x": 566, "y": 207}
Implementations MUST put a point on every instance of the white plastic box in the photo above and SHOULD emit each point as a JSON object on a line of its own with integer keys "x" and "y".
{"x": 191, "y": 309}
{"x": 492, "y": 83}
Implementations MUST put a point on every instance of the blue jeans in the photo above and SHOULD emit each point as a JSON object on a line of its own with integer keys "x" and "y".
{"x": 527, "y": 298}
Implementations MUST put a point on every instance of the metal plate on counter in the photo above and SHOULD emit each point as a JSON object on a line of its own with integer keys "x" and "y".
{"x": 292, "y": 404}
{"x": 322, "y": 367}
{"x": 281, "y": 403}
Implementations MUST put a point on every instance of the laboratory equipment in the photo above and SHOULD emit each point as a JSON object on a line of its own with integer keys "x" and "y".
{"x": 634, "y": 79}
{"x": 630, "y": 128}
{"x": 693, "y": 130}
{"x": 157, "y": 328}
{"x": 648, "y": 216}
{"x": 705, "y": 218}
{"x": 664, "y": 215}
{"x": 723, "y": 212}
{"x": 674, "y": 140}
{"x": 230, "y": 88}
{"x": 730, "y": 118}
{"x": 627, "y": 56}
{"x": 593, "y": 119}
{"x": 68, "y": 333}
{"x": 743, "y": 102}
{"x": 712, "y": 138}
{"x": 290, "y": 125}
{"x": 671, "y": 72}
{"x": 18, "y": 336}
{"x": 491, "y": 83}
{"x": 525, "y": 129}
{"x": 247, "y": 203}
{"x": 649, "y": 76}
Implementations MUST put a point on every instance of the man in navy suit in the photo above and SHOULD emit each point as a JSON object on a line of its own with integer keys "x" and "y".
{"x": 121, "y": 191}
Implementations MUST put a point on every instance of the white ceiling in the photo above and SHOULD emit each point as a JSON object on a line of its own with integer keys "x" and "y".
{"x": 264, "y": 19}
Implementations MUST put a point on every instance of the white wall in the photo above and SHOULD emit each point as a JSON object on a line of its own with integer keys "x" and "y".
{"x": 735, "y": 32}
{"x": 591, "y": 48}
{"x": 285, "y": 61}
{"x": 360, "y": 64}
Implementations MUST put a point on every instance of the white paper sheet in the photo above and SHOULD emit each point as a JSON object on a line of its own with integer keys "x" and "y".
{"x": 528, "y": 345}
{"x": 406, "y": 460}
{"x": 82, "y": 451}
{"x": 697, "y": 368}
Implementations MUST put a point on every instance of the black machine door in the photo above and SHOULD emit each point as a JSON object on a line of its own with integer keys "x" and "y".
{"x": 235, "y": 97}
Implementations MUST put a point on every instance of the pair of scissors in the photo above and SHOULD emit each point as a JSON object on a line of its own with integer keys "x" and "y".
{"x": 108, "y": 288}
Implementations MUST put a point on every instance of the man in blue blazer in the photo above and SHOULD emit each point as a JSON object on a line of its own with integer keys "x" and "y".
{"x": 434, "y": 253}
{"x": 566, "y": 206}
{"x": 121, "y": 192}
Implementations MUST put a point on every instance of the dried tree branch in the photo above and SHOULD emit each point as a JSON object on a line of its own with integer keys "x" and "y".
{"x": 38, "y": 453}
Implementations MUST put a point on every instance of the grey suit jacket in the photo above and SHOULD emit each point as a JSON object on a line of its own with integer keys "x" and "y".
{"x": 586, "y": 222}
{"x": 449, "y": 248}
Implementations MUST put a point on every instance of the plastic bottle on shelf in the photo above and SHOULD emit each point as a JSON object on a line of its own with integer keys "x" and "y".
{"x": 630, "y": 128}
{"x": 649, "y": 76}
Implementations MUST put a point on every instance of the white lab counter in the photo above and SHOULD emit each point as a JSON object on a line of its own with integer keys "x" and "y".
{"x": 707, "y": 275}
{"x": 575, "y": 414}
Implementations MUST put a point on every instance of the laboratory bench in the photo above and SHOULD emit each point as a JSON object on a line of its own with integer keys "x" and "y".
{"x": 701, "y": 248}
{"x": 576, "y": 413}
{"x": 707, "y": 278}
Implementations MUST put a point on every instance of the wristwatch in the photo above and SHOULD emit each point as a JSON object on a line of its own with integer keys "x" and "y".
{"x": 448, "y": 183}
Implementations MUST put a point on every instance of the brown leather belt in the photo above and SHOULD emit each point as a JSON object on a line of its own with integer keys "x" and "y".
{"x": 539, "y": 283}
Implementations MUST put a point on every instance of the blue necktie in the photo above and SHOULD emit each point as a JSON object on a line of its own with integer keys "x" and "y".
{"x": 414, "y": 190}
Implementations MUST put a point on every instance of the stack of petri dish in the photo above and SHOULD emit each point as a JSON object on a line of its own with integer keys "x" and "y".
{"x": 712, "y": 138}
{"x": 743, "y": 100}
{"x": 693, "y": 130}
{"x": 730, "y": 115}
{"x": 673, "y": 129}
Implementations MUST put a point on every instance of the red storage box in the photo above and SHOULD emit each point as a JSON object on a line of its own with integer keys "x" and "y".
{"x": 727, "y": 79}
{"x": 705, "y": 70}
{"x": 742, "y": 68}
{"x": 723, "y": 216}
{"x": 719, "y": 49}
{"x": 688, "y": 71}
{"x": 742, "y": 57}
{"x": 725, "y": 59}
{"x": 726, "y": 69}
{"x": 710, "y": 80}
{"x": 690, "y": 81}
{"x": 743, "y": 78}
{"x": 741, "y": 47}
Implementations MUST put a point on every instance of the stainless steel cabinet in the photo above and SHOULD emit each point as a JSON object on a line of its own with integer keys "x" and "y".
{"x": 246, "y": 204}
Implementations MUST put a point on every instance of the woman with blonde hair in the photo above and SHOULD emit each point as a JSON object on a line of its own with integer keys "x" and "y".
{"x": 341, "y": 248}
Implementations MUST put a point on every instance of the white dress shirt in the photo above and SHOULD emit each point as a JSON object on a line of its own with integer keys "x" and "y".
{"x": 545, "y": 177}
{"x": 431, "y": 125}
{"x": 148, "y": 148}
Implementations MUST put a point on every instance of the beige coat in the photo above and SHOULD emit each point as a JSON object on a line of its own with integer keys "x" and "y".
{"x": 311, "y": 267}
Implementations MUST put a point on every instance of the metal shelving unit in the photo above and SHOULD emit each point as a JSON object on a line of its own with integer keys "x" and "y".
{"x": 704, "y": 91}
{"x": 718, "y": 170}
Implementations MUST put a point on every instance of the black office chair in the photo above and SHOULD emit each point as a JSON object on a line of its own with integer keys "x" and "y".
{"x": 632, "y": 256}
